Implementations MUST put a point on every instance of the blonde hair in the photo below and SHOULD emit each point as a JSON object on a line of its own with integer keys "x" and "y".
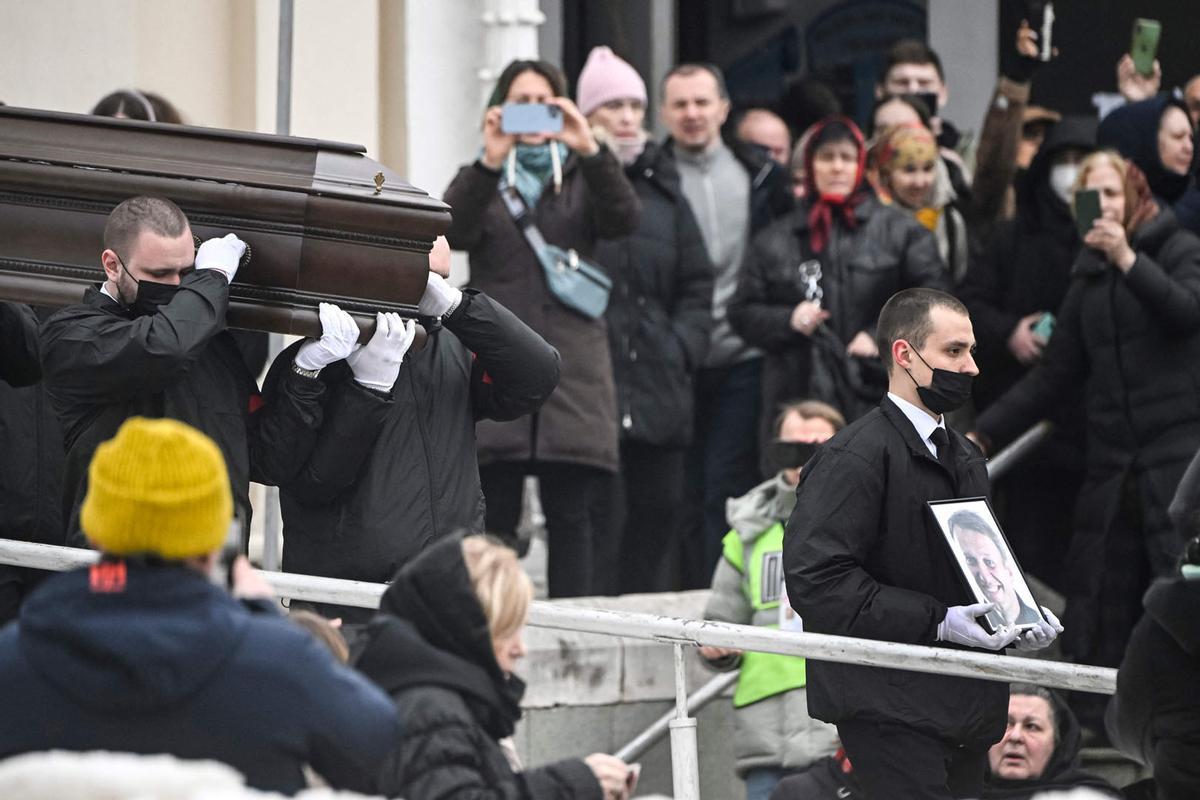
{"x": 502, "y": 587}
{"x": 1139, "y": 202}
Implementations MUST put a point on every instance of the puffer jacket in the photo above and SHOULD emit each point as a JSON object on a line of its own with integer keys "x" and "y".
{"x": 660, "y": 312}
{"x": 861, "y": 268}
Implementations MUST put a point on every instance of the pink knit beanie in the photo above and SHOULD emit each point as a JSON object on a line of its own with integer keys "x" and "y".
{"x": 607, "y": 77}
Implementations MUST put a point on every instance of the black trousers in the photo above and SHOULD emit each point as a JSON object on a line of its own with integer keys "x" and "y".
{"x": 569, "y": 495}
{"x": 901, "y": 763}
{"x": 645, "y": 507}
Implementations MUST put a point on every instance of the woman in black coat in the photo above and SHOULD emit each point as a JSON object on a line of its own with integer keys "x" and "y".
{"x": 448, "y": 635}
{"x": 813, "y": 282}
{"x": 1129, "y": 332}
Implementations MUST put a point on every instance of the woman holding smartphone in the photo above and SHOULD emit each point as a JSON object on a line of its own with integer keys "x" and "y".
{"x": 575, "y": 192}
{"x": 1129, "y": 333}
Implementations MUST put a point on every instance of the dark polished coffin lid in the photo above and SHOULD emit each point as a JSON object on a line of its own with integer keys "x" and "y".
{"x": 324, "y": 222}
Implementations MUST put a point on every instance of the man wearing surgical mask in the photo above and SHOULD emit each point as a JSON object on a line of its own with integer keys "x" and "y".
{"x": 151, "y": 341}
{"x": 1017, "y": 281}
{"x": 863, "y": 557}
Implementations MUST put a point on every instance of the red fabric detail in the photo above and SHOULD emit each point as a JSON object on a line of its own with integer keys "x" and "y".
{"x": 256, "y": 402}
{"x": 820, "y": 215}
{"x": 487, "y": 378}
{"x": 107, "y": 577}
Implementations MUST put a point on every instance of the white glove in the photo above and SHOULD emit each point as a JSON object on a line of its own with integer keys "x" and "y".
{"x": 222, "y": 254}
{"x": 1042, "y": 636}
{"x": 439, "y": 298}
{"x": 377, "y": 365}
{"x": 960, "y": 627}
{"x": 339, "y": 338}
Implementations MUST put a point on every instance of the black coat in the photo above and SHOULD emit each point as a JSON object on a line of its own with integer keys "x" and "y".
{"x": 860, "y": 269}
{"x": 660, "y": 311}
{"x": 31, "y": 449}
{"x": 1155, "y": 714}
{"x": 169, "y": 663}
{"x": 390, "y": 475}
{"x": 864, "y": 557}
{"x": 1133, "y": 342}
{"x": 430, "y": 648}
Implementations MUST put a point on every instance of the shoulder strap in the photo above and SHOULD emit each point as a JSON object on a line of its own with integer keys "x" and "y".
{"x": 523, "y": 217}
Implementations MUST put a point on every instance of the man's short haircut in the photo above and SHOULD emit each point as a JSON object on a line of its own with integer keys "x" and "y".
{"x": 970, "y": 521}
{"x": 906, "y": 315}
{"x": 810, "y": 409}
{"x": 1033, "y": 690}
{"x": 158, "y": 215}
{"x": 691, "y": 68}
{"x": 910, "y": 51}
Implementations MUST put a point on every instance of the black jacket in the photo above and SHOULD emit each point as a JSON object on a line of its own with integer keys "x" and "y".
{"x": 101, "y": 366}
{"x": 1062, "y": 771}
{"x": 390, "y": 475}
{"x": 1155, "y": 714}
{"x": 1133, "y": 342}
{"x": 430, "y": 648}
{"x": 660, "y": 310}
{"x": 860, "y": 269}
{"x": 864, "y": 557}
{"x": 31, "y": 450}
{"x": 164, "y": 662}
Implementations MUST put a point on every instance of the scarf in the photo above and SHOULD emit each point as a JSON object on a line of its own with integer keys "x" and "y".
{"x": 531, "y": 166}
{"x": 824, "y": 206}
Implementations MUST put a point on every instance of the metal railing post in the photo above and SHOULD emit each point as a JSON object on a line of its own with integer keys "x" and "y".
{"x": 710, "y": 691}
{"x": 685, "y": 758}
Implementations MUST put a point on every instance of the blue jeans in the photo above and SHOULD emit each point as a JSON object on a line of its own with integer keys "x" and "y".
{"x": 722, "y": 462}
{"x": 760, "y": 781}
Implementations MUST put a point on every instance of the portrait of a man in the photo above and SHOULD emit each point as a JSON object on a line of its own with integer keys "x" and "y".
{"x": 992, "y": 566}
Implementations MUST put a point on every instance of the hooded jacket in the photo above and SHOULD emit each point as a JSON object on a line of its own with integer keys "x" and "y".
{"x": 772, "y": 725}
{"x": 1062, "y": 770}
{"x": 156, "y": 659}
{"x": 389, "y": 475}
{"x": 1155, "y": 715}
{"x": 431, "y": 650}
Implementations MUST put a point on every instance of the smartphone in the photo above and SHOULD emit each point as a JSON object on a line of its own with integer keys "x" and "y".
{"x": 531, "y": 118}
{"x": 1044, "y": 327}
{"x": 930, "y": 99}
{"x": 1040, "y": 15}
{"x": 1144, "y": 45}
{"x": 1087, "y": 209}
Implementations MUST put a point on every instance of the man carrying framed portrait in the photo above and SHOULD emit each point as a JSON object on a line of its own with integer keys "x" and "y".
{"x": 864, "y": 557}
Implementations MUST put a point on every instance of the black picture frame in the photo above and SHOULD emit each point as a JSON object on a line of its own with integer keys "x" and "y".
{"x": 975, "y": 539}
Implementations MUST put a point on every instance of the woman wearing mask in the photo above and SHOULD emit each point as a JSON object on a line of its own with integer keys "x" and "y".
{"x": 1129, "y": 333}
{"x": 576, "y": 192}
{"x": 813, "y": 282}
{"x": 659, "y": 319}
{"x": 914, "y": 179}
{"x": 1018, "y": 278}
{"x": 448, "y": 636}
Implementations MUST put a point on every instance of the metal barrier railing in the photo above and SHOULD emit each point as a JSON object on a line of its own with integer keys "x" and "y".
{"x": 677, "y": 632}
{"x": 1020, "y": 447}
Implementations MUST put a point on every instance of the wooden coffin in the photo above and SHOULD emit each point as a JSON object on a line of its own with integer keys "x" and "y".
{"x": 323, "y": 221}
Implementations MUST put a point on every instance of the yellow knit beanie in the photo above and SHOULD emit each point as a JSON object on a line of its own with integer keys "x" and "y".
{"x": 158, "y": 487}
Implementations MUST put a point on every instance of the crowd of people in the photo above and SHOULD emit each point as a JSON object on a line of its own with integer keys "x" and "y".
{"x": 806, "y": 331}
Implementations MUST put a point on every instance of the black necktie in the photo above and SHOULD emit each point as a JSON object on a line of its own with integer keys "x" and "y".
{"x": 941, "y": 441}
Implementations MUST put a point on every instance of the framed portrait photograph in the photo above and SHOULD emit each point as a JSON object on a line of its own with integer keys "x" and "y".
{"x": 988, "y": 565}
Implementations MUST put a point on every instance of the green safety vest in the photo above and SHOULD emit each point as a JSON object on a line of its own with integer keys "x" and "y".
{"x": 762, "y": 674}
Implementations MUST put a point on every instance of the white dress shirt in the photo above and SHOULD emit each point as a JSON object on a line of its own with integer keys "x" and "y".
{"x": 920, "y": 420}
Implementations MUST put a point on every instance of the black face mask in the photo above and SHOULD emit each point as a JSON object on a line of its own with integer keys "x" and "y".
{"x": 946, "y": 392}
{"x": 151, "y": 295}
{"x": 789, "y": 455}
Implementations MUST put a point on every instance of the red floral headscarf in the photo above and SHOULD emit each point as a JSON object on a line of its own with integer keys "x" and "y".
{"x": 821, "y": 210}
